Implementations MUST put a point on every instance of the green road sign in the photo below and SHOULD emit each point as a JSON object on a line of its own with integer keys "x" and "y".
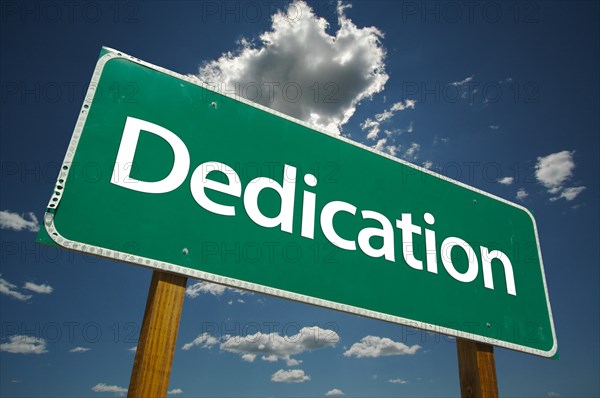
{"x": 163, "y": 172}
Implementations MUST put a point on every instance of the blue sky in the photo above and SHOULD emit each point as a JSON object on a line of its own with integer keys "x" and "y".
{"x": 503, "y": 96}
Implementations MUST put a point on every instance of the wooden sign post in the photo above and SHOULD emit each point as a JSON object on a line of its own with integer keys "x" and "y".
{"x": 156, "y": 347}
{"x": 477, "y": 369}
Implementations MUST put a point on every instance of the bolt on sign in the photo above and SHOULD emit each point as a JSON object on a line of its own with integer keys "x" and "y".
{"x": 164, "y": 172}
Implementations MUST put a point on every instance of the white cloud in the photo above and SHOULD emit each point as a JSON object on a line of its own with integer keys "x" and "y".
{"x": 248, "y": 357}
{"x": 80, "y": 349}
{"x": 204, "y": 340}
{"x": 569, "y": 193}
{"x": 374, "y": 347}
{"x": 197, "y": 289}
{"x": 411, "y": 152}
{"x": 10, "y": 290}
{"x": 398, "y": 106}
{"x": 428, "y": 164}
{"x": 506, "y": 180}
{"x": 21, "y": 344}
{"x": 397, "y": 381}
{"x": 380, "y": 146}
{"x": 495, "y": 127}
{"x": 522, "y": 194}
{"x": 214, "y": 289}
{"x": 463, "y": 81}
{"x": 17, "y": 222}
{"x": 293, "y": 362}
{"x": 101, "y": 387}
{"x": 132, "y": 349}
{"x": 334, "y": 72}
{"x": 41, "y": 289}
{"x": 554, "y": 170}
{"x": 392, "y": 150}
{"x": 335, "y": 392}
{"x": 272, "y": 347}
{"x": 290, "y": 376}
{"x": 374, "y": 126}
{"x": 385, "y": 115}
{"x": 175, "y": 391}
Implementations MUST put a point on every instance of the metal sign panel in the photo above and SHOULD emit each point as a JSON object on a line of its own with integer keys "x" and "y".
{"x": 164, "y": 172}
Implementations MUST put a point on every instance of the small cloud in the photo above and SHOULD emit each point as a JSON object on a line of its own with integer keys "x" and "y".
{"x": 18, "y": 222}
{"x": 16, "y": 381}
{"x": 495, "y": 127}
{"x": 411, "y": 152}
{"x": 554, "y": 170}
{"x": 553, "y": 394}
{"x": 199, "y": 288}
{"x": 375, "y": 347}
{"x": 397, "y": 381}
{"x": 506, "y": 180}
{"x": 437, "y": 140}
{"x": 175, "y": 391}
{"x": 522, "y": 194}
{"x": 213, "y": 289}
{"x": 392, "y": 150}
{"x": 335, "y": 392}
{"x": 101, "y": 387}
{"x": 290, "y": 376}
{"x": 132, "y": 349}
{"x": 41, "y": 289}
{"x": 428, "y": 164}
{"x": 569, "y": 193}
{"x": 248, "y": 357}
{"x": 10, "y": 290}
{"x": 380, "y": 146}
{"x": 204, "y": 340}
{"x": 463, "y": 81}
{"x": 372, "y": 126}
{"x": 21, "y": 344}
{"x": 79, "y": 349}
{"x": 273, "y": 347}
{"x": 398, "y": 106}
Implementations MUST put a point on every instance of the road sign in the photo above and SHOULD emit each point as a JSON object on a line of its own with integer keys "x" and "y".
{"x": 164, "y": 172}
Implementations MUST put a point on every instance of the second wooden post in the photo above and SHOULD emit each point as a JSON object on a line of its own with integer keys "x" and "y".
{"x": 477, "y": 369}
